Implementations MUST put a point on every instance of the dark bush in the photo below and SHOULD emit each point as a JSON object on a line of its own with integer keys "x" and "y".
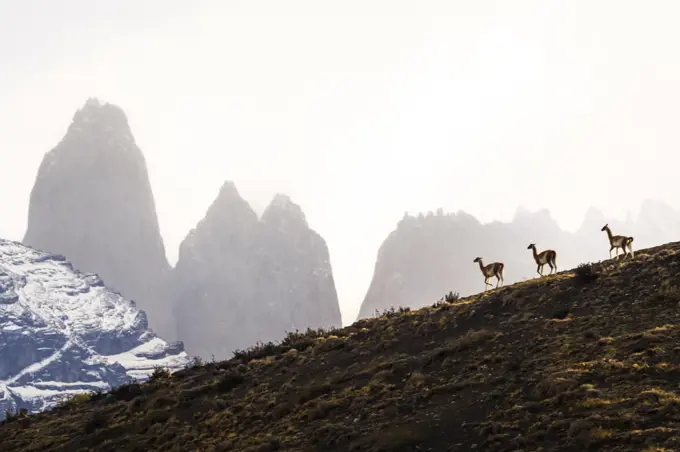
{"x": 560, "y": 313}
{"x": 585, "y": 273}
{"x": 258, "y": 351}
{"x": 229, "y": 381}
{"x": 126, "y": 392}
{"x": 451, "y": 297}
{"x": 96, "y": 422}
{"x": 160, "y": 373}
{"x": 392, "y": 312}
{"x": 297, "y": 340}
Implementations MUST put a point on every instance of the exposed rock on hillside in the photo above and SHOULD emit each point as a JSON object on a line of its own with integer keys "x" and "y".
{"x": 430, "y": 255}
{"x": 92, "y": 202}
{"x": 63, "y": 332}
{"x": 239, "y": 280}
{"x": 566, "y": 363}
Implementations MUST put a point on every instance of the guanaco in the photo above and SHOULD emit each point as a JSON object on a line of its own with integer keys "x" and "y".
{"x": 544, "y": 257}
{"x": 493, "y": 269}
{"x": 618, "y": 241}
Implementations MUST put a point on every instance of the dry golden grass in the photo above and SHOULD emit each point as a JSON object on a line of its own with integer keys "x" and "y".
{"x": 584, "y": 360}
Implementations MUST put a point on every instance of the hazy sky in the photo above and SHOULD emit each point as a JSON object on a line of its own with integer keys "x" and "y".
{"x": 358, "y": 109}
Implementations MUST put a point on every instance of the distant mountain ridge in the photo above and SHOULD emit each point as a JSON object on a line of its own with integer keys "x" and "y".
{"x": 92, "y": 202}
{"x": 239, "y": 279}
{"x": 63, "y": 332}
{"x": 429, "y": 255}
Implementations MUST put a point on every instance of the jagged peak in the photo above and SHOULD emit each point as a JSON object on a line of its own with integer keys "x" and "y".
{"x": 282, "y": 200}
{"x": 282, "y": 207}
{"x": 92, "y": 102}
{"x": 229, "y": 200}
{"x": 229, "y": 190}
{"x": 95, "y": 111}
{"x": 228, "y": 211}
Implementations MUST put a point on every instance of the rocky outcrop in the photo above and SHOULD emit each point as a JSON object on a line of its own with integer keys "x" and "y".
{"x": 429, "y": 255}
{"x": 240, "y": 280}
{"x": 92, "y": 202}
{"x": 63, "y": 332}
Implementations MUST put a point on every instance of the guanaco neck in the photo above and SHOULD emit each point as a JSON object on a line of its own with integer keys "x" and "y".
{"x": 609, "y": 233}
{"x": 481, "y": 266}
{"x": 533, "y": 248}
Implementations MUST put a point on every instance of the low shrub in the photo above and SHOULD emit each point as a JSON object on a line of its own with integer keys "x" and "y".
{"x": 585, "y": 273}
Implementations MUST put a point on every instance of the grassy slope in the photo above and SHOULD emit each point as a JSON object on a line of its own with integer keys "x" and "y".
{"x": 554, "y": 363}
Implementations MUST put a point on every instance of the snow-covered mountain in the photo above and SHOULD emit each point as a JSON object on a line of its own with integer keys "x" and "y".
{"x": 63, "y": 332}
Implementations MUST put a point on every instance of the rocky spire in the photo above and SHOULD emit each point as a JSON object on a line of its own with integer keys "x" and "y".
{"x": 297, "y": 260}
{"x": 92, "y": 202}
{"x": 240, "y": 280}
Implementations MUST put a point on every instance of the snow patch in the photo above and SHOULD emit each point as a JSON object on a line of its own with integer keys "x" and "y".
{"x": 70, "y": 322}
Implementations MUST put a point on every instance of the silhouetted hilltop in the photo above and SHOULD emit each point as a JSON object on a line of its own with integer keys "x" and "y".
{"x": 428, "y": 255}
{"x": 93, "y": 203}
{"x": 240, "y": 280}
{"x": 582, "y": 360}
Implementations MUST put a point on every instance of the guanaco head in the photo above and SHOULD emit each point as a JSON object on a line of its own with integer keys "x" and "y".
{"x": 604, "y": 228}
{"x": 477, "y": 259}
{"x": 533, "y": 245}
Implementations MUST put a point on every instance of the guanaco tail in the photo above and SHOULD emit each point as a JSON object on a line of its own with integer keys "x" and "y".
{"x": 544, "y": 257}
{"x": 493, "y": 269}
{"x": 618, "y": 241}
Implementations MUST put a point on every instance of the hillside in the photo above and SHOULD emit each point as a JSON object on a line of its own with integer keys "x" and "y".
{"x": 565, "y": 363}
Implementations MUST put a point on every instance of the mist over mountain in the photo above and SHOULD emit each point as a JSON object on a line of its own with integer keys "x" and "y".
{"x": 240, "y": 280}
{"x": 429, "y": 255}
{"x": 92, "y": 202}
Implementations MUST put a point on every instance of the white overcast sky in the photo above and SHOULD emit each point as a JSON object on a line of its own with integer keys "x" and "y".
{"x": 358, "y": 109}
